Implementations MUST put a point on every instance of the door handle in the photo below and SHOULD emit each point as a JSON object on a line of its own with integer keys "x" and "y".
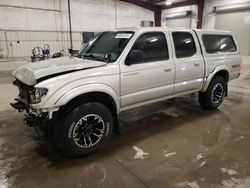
{"x": 167, "y": 69}
{"x": 196, "y": 64}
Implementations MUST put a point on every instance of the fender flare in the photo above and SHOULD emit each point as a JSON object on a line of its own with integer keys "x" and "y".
{"x": 212, "y": 74}
{"x": 88, "y": 88}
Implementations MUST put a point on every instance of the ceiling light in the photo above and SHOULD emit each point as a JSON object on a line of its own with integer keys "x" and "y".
{"x": 168, "y": 3}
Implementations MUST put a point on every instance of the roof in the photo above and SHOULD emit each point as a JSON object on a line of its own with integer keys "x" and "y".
{"x": 136, "y": 29}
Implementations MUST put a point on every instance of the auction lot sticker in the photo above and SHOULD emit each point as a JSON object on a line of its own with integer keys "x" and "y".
{"x": 123, "y": 35}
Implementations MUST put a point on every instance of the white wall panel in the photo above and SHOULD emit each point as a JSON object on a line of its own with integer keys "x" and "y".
{"x": 236, "y": 21}
{"x": 32, "y": 20}
{"x": 209, "y": 17}
{"x": 238, "y": 26}
{"x": 46, "y": 4}
{"x": 87, "y": 15}
{"x": 30, "y": 39}
{"x": 131, "y": 16}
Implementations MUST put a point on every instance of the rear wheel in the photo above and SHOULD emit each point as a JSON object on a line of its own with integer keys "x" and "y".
{"x": 214, "y": 96}
{"x": 85, "y": 129}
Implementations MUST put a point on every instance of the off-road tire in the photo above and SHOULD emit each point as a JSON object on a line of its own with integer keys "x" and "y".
{"x": 72, "y": 119}
{"x": 207, "y": 99}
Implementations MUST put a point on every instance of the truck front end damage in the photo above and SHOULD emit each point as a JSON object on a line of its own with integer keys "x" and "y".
{"x": 29, "y": 95}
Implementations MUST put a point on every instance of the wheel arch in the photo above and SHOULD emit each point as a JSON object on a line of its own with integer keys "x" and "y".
{"x": 224, "y": 74}
{"x": 219, "y": 71}
{"x": 107, "y": 97}
{"x": 86, "y": 90}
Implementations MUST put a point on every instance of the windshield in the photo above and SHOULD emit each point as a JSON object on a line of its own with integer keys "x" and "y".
{"x": 106, "y": 46}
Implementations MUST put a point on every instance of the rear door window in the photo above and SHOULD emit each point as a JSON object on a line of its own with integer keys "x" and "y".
{"x": 218, "y": 43}
{"x": 184, "y": 44}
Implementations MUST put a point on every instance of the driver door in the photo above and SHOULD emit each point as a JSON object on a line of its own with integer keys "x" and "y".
{"x": 153, "y": 76}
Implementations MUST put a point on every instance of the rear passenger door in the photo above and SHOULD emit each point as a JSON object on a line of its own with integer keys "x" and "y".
{"x": 189, "y": 64}
{"x": 152, "y": 77}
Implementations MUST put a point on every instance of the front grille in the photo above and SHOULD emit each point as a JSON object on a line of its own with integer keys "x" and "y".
{"x": 26, "y": 92}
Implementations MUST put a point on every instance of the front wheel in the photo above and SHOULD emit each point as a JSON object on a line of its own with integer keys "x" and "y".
{"x": 214, "y": 96}
{"x": 84, "y": 130}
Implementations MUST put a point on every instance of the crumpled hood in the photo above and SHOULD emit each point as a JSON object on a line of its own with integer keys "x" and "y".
{"x": 29, "y": 74}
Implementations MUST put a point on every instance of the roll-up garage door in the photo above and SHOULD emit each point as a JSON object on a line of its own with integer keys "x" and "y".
{"x": 239, "y": 23}
{"x": 182, "y": 19}
{"x": 179, "y": 22}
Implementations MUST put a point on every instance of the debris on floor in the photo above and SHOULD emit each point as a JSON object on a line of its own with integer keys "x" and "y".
{"x": 139, "y": 153}
{"x": 188, "y": 184}
{"x": 170, "y": 154}
{"x": 236, "y": 183}
{"x": 229, "y": 171}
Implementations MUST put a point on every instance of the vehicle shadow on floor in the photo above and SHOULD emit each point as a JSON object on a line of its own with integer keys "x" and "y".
{"x": 136, "y": 125}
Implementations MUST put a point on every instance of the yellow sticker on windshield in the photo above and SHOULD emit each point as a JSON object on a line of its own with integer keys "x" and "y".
{"x": 123, "y": 35}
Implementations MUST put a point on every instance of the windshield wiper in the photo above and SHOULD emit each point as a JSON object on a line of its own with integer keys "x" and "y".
{"x": 107, "y": 57}
{"x": 93, "y": 57}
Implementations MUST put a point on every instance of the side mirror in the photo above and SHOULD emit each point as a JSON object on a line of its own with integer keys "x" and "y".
{"x": 134, "y": 56}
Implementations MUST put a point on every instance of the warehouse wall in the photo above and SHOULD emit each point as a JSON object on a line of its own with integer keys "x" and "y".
{"x": 209, "y": 17}
{"x": 237, "y": 22}
{"x": 25, "y": 24}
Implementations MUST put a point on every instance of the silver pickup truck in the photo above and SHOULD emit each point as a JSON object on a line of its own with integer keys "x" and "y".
{"x": 79, "y": 98}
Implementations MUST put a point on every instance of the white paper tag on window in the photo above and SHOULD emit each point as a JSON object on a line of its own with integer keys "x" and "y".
{"x": 123, "y": 35}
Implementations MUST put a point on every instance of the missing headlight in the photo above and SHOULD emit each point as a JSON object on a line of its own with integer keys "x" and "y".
{"x": 38, "y": 94}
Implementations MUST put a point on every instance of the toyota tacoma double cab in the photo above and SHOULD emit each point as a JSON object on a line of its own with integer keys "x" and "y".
{"x": 80, "y": 97}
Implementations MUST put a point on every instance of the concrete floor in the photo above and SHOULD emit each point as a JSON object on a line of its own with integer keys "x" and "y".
{"x": 162, "y": 145}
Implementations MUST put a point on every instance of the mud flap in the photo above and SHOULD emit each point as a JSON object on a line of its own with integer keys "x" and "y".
{"x": 226, "y": 90}
{"x": 117, "y": 129}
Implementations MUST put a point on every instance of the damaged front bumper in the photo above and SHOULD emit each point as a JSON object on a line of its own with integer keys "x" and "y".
{"x": 35, "y": 116}
{"x": 19, "y": 105}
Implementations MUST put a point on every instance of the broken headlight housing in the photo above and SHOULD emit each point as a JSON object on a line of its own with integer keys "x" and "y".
{"x": 38, "y": 94}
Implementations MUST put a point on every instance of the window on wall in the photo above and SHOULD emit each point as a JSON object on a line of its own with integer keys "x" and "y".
{"x": 184, "y": 44}
{"x": 218, "y": 43}
{"x": 153, "y": 45}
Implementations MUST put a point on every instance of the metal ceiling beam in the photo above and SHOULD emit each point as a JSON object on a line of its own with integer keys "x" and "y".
{"x": 180, "y": 4}
{"x": 156, "y": 1}
{"x": 157, "y": 16}
{"x": 143, "y": 4}
{"x": 200, "y": 4}
{"x": 151, "y": 6}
